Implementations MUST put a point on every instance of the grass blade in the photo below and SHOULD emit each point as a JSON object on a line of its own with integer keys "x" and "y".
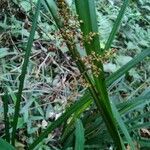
{"x": 128, "y": 66}
{"x": 70, "y": 125}
{"x": 79, "y": 134}
{"x": 23, "y": 72}
{"x": 122, "y": 126}
{"x": 116, "y": 25}
{"x": 139, "y": 126}
{"x": 139, "y": 117}
{"x": 144, "y": 143}
{"x": 131, "y": 105}
{"x": 5, "y": 146}
{"x": 89, "y": 25}
{"x": 84, "y": 100}
{"x": 51, "y": 6}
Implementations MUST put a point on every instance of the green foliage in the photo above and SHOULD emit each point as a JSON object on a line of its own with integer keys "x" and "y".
{"x": 23, "y": 73}
{"x": 112, "y": 104}
{"x": 5, "y": 145}
{"x": 79, "y": 133}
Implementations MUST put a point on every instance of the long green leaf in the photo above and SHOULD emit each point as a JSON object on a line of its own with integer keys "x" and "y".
{"x": 127, "y": 107}
{"x": 23, "y": 72}
{"x": 70, "y": 126}
{"x": 49, "y": 129}
{"x": 51, "y": 6}
{"x": 137, "y": 118}
{"x": 122, "y": 126}
{"x": 131, "y": 105}
{"x": 79, "y": 134}
{"x": 128, "y": 66}
{"x": 144, "y": 143}
{"x": 139, "y": 126}
{"x": 5, "y": 145}
{"x": 89, "y": 25}
{"x": 116, "y": 25}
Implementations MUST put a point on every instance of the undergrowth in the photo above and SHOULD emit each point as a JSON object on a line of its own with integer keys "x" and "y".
{"x": 74, "y": 75}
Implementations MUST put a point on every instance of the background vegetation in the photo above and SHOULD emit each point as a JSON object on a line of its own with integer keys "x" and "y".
{"x": 57, "y": 82}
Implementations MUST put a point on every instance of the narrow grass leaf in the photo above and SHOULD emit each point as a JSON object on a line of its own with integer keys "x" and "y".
{"x": 146, "y": 115}
{"x": 122, "y": 126}
{"x": 24, "y": 70}
{"x": 144, "y": 143}
{"x": 67, "y": 145}
{"x": 88, "y": 26}
{"x": 139, "y": 126}
{"x": 79, "y": 134}
{"x": 87, "y": 17}
{"x": 128, "y": 66}
{"x": 131, "y": 105}
{"x": 52, "y": 7}
{"x": 5, "y": 145}
{"x": 70, "y": 125}
{"x": 116, "y": 25}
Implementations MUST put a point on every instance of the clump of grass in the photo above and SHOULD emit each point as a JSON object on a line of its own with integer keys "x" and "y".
{"x": 91, "y": 69}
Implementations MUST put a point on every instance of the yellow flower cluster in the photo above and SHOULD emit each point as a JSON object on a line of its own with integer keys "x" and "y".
{"x": 93, "y": 59}
{"x": 70, "y": 23}
{"x": 89, "y": 38}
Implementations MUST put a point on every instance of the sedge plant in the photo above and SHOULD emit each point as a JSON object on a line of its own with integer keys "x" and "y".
{"x": 91, "y": 69}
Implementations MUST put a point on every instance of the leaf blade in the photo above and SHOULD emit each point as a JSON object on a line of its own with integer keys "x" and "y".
{"x": 122, "y": 126}
{"x": 23, "y": 72}
{"x": 79, "y": 134}
{"x": 128, "y": 66}
{"x": 5, "y": 145}
{"x": 116, "y": 25}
